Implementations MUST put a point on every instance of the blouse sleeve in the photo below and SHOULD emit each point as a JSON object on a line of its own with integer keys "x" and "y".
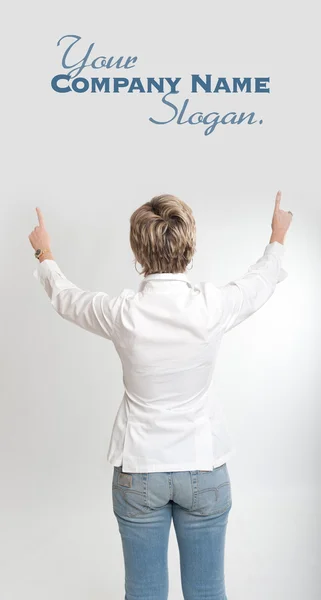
{"x": 242, "y": 297}
{"x": 94, "y": 311}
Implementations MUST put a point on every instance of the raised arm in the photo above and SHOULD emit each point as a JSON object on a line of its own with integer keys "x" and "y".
{"x": 242, "y": 297}
{"x": 94, "y": 311}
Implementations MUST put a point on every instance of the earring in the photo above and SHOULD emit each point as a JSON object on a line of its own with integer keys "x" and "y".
{"x": 191, "y": 266}
{"x": 136, "y": 268}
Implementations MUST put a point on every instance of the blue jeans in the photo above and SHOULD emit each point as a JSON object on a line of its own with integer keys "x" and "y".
{"x": 199, "y": 502}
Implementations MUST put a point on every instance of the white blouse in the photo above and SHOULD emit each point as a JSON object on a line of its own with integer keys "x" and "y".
{"x": 167, "y": 335}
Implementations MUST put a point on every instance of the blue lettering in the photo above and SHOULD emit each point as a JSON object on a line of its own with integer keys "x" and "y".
{"x": 221, "y": 85}
{"x": 260, "y": 85}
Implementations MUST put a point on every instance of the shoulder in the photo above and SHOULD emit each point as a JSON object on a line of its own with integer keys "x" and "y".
{"x": 126, "y": 295}
{"x": 209, "y": 294}
{"x": 126, "y": 292}
{"x": 207, "y": 288}
{"x": 116, "y": 301}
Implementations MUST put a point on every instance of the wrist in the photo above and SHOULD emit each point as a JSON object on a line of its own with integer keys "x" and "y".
{"x": 277, "y": 236}
{"x": 46, "y": 255}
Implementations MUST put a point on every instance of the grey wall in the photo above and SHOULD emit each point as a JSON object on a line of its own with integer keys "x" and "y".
{"x": 88, "y": 160}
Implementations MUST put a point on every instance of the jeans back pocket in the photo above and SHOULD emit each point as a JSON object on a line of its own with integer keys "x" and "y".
{"x": 214, "y": 496}
{"x": 129, "y": 493}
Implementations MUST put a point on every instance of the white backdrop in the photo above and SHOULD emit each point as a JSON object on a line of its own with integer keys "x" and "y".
{"x": 88, "y": 160}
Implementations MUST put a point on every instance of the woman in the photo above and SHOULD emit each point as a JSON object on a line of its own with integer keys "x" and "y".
{"x": 168, "y": 447}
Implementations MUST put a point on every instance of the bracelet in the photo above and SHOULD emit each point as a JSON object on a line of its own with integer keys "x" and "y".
{"x": 40, "y": 252}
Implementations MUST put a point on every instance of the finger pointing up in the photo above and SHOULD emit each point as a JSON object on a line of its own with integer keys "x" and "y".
{"x": 40, "y": 217}
{"x": 278, "y": 200}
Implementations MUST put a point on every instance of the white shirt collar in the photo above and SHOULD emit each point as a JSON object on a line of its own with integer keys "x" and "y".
{"x": 167, "y": 277}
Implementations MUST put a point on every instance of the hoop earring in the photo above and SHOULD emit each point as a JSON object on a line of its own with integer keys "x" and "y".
{"x": 191, "y": 266}
{"x": 136, "y": 269}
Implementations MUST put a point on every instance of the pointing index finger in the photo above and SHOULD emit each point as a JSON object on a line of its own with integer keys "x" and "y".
{"x": 278, "y": 200}
{"x": 40, "y": 217}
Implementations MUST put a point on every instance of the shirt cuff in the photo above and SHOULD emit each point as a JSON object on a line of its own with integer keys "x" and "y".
{"x": 45, "y": 267}
{"x": 282, "y": 275}
{"x": 279, "y": 250}
{"x": 276, "y": 248}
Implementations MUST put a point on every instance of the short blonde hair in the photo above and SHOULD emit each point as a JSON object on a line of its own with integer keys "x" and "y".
{"x": 163, "y": 235}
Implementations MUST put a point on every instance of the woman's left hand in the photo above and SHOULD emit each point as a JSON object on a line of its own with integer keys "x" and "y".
{"x": 39, "y": 237}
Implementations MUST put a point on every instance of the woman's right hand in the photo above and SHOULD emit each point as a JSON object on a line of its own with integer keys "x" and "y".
{"x": 281, "y": 221}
